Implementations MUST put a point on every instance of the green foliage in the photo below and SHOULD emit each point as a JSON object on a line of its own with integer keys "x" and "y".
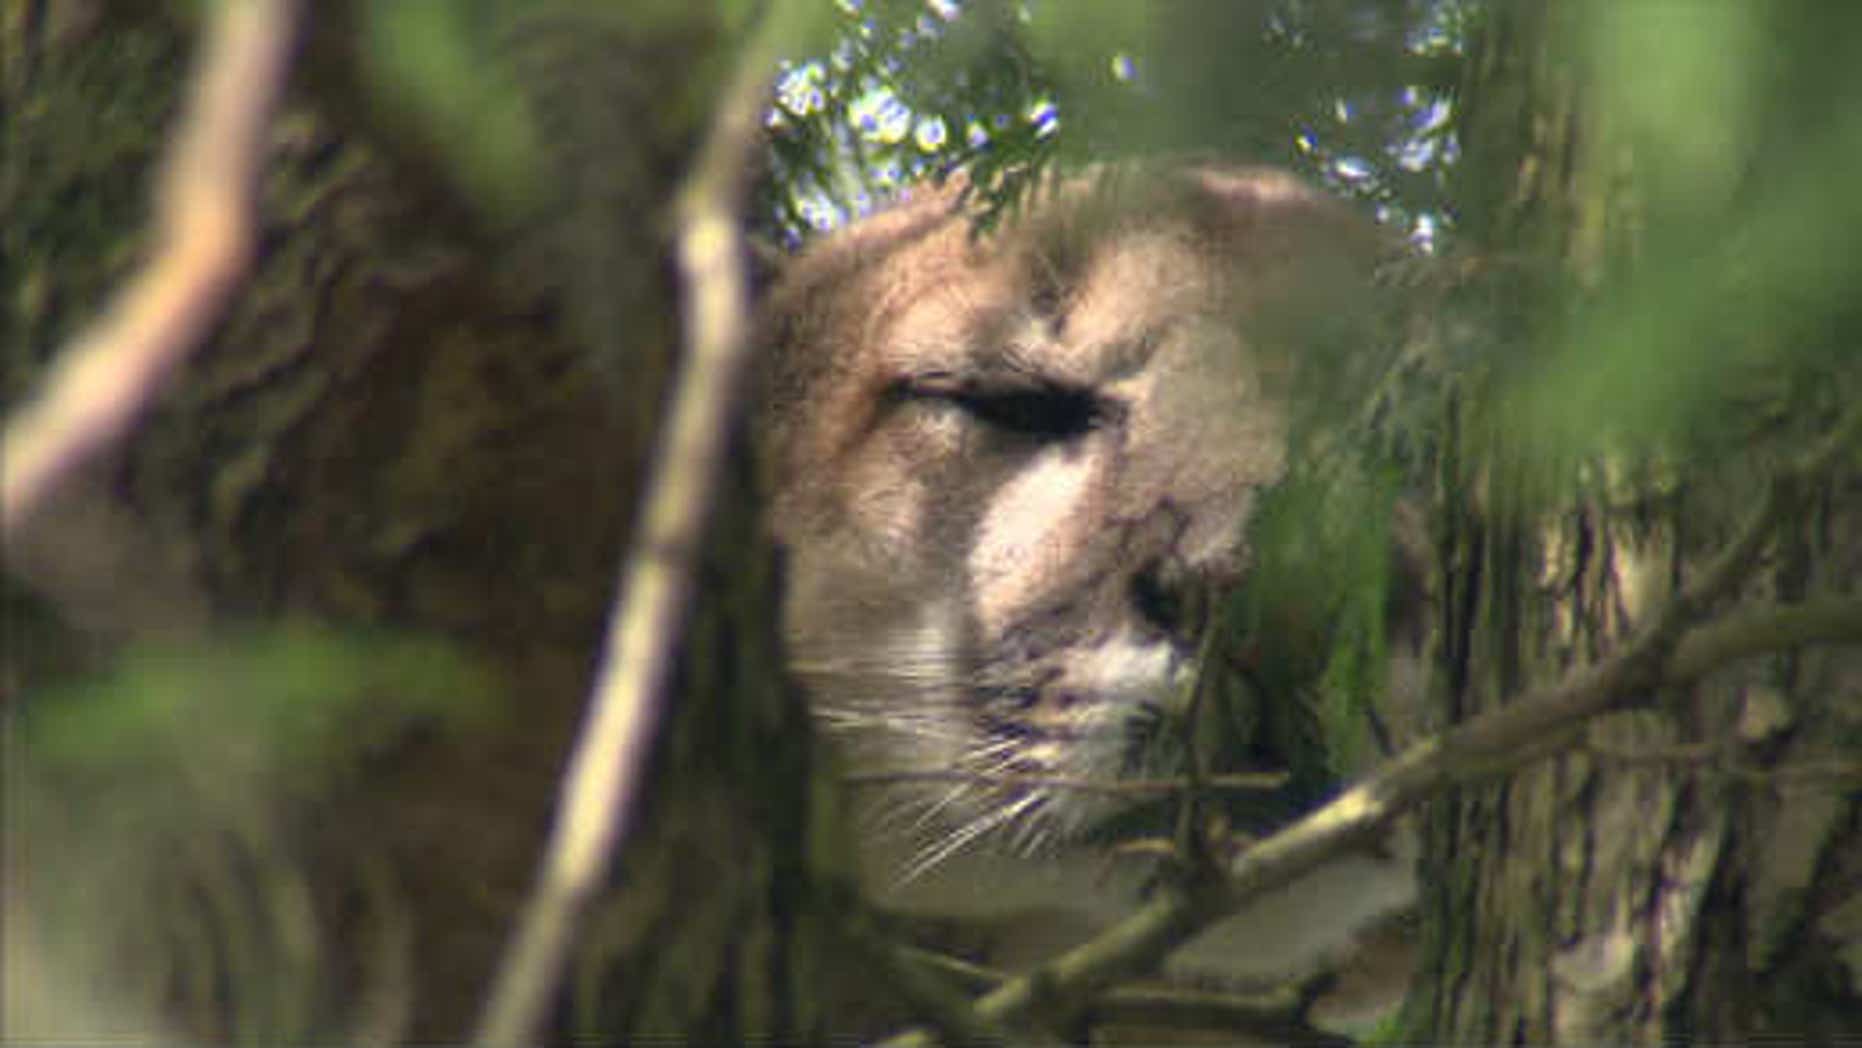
{"x": 1353, "y": 91}
{"x": 276, "y": 715}
{"x": 1292, "y": 679}
{"x": 1315, "y": 609}
{"x": 907, "y": 90}
{"x": 512, "y": 95}
{"x": 435, "y": 67}
{"x": 155, "y": 820}
{"x": 1388, "y": 1030}
{"x": 1739, "y": 234}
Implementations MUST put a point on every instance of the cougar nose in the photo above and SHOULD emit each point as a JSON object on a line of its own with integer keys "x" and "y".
{"x": 1171, "y": 598}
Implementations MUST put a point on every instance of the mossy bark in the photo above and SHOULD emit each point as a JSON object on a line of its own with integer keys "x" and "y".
{"x": 1674, "y": 880}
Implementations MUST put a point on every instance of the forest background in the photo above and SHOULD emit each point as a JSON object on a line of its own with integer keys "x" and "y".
{"x": 361, "y": 680}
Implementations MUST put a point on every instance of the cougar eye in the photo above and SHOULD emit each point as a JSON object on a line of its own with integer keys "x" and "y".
{"x": 1051, "y": 413}
{"x": 1042, "y": 410}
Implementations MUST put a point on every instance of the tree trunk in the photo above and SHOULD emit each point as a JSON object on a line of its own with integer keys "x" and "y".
{"x": 1689, "y": 873}
{"x": 399, "y": 426}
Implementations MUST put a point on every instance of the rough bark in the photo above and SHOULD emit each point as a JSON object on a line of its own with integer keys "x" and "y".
{"x": 1689, "y": 873}
{"x": 401, "y": 426}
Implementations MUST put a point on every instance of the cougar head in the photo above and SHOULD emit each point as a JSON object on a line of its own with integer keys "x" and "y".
{"x": 1011, "y": 469}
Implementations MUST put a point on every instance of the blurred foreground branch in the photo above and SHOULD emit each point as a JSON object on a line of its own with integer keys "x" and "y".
{"x": 110, "y": 373}
{"x": 599, "y": 792}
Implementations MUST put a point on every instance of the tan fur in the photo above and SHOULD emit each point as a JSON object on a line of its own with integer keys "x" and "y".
{"x": 968, "y": 594}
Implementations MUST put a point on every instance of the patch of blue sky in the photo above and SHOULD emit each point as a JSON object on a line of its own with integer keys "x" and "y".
{"x": 1352, "y": 168}
{"x": 1426, "y": 230}
{"x": 1044, "y": 116}
{"x": 1431, "y": 117}
{"x": 931, "y": 134}
{"x": 1416, "y": 154}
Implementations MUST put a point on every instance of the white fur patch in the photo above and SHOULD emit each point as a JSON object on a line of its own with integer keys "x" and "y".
{"x": 1025, "y": 536}
{"x": 1124, "y": 672}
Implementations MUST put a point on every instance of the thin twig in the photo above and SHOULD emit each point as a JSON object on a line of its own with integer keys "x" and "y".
{"x": 598, "y": 792}
{"x": 1271, "y": 1018}
{"x": 106, "y": 378}
{"x": 1270, "y": 1014}
{"x": 1495, "y": 742}
{"x": 1191, "y": 834}
{"x": 926, "y": 981}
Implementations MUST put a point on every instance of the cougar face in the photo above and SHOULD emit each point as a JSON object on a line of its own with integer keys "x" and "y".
{"x": 1010, "y": 471}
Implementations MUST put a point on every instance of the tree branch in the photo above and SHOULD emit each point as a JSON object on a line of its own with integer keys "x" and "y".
{"x": 106, "y": 378}
{"x": 1825, "y": 620}
{"x": 934, "y": 986}
{"x": 1530, "y": 727}
{"x": 1272, "y": 1015}
{"x": 598, "y": 793}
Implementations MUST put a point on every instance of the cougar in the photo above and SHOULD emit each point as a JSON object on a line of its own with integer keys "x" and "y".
{"x": 1010, "y": 471}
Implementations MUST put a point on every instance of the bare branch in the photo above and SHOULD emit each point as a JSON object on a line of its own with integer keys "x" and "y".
{"x": 1530, "y": 727}
{"x": 1825, "y": 620}
{"x": 1271, "y": 1014}
{"x": 1273, "y": 1018}
{"x": 598, "y": 793}
{"x": 110, "y": 373}
{"x": 934, "y": 985}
